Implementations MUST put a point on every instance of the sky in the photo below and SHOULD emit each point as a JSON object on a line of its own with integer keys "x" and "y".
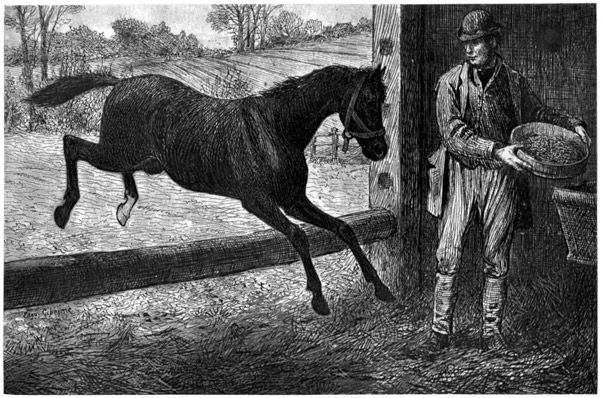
{"x": 192, "y": 18}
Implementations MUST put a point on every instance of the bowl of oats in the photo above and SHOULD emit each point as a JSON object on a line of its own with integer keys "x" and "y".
{"x": 550, "y": 151}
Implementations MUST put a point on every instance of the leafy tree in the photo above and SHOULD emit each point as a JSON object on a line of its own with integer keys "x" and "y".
{"x": 13, "y": 56}
{"x": 313, "y": 27}
{"x": 89, "y": 42}
{"x": 132, "y": 35}
{"x": 364, "y": 25}
{"x": 286, "y": 27}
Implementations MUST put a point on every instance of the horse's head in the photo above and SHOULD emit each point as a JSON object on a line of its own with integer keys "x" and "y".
{"x": 362, "y": 115}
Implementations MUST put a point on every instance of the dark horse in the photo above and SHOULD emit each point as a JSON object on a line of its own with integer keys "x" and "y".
{"x": 250, "y": 149}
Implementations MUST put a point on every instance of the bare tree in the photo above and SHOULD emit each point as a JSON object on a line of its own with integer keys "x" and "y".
{"x": 254, "y": 11}
{"x": 263, "y": 21}
{"x": 24, "y": 21}
{"x": 229, "y": 18}
{"x": 50, "y": 18}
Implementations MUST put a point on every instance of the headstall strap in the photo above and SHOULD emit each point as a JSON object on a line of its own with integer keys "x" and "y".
{"x": 351, "y": 114}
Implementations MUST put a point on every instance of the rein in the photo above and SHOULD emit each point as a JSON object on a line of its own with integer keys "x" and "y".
{"x": 365, "y": 132}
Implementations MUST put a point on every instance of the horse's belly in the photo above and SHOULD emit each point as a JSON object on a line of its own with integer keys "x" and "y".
{"x": 204, "y": 182}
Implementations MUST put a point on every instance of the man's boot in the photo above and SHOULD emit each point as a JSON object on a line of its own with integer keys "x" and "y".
{"x": 445, "y": 297}
{"x": 493, "y": 300}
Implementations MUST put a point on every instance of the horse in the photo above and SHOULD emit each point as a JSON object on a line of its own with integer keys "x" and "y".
{"x": 250, "y": 149}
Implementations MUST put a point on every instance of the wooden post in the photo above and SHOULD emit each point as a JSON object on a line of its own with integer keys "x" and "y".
{"x": 334, "y": 133}
{"x": 313, "y": 148}
{"x": 393, "y": 181}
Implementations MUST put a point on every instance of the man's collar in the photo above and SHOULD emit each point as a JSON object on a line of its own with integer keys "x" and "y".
{"x": 467, "y": 68}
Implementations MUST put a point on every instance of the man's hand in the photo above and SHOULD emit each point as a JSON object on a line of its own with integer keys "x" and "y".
{"x": 507, "y": 155}
{"x": 583, "y": 135}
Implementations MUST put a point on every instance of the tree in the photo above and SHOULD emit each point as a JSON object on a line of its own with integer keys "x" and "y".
{"x": 229, "y": 18}
{"x": 24, "y": 21}
{"x": 253, "y": 13}
{"x": 364, "y": 25}
{"x": 258, "y": 16}
{"x": 264, "y": 20}
{"x": 313, "y": 27}
{"x": 90, "y": 42}
{"x": 50, "y": 18}
{"x": 132, "y": 35}
{"x": 243, "y": 21}
{"x": 287, "y": 25}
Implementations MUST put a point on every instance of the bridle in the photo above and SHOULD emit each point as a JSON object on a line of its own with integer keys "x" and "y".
{"x": 365, "y": 132}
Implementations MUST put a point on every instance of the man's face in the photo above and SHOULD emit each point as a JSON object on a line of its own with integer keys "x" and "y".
{"x": 479, "y": 53}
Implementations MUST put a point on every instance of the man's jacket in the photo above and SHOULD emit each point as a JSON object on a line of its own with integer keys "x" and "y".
{"x": 527, "y": 108}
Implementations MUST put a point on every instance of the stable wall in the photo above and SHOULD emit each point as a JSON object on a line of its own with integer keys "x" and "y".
{"x": 554, "y": 46}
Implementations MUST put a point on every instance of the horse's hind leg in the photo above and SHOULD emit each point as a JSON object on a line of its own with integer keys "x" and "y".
{"x": 131, "y": 197}
{"x": 150, "y": 166}
{"x": 304, "y": 210}
{"x": 267, "y": 210}
{"x": 77, "y": 149}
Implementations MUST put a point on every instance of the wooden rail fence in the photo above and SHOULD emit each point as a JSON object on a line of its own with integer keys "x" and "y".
{"x": 333, "y": 145}
{"x": 62, "y": 278}
{"x": 327, "y": 145}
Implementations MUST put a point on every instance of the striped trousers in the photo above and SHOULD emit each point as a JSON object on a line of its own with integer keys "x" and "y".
{"x": 493, "y": 194}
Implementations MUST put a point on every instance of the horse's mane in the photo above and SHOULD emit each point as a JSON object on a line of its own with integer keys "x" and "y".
{"x": 337, "y": 74}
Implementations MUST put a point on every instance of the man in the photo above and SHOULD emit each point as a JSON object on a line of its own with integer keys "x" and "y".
{"x": 475, "y": 170}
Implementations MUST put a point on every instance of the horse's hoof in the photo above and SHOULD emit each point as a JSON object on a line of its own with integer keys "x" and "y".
{"x": 121, "y": 216}
{"x": 61, "y": 216}
{"x": 320, "y": 305}
{"x": 384, "y": 294}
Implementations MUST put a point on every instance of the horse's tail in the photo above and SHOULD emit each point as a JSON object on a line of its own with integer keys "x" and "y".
{"x": 67, "y": 88}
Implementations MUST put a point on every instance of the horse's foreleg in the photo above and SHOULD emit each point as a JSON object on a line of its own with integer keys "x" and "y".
{"x": 267, "y": 210}
{"x": 304, "y": 210}
{"x": 131, "y": 197}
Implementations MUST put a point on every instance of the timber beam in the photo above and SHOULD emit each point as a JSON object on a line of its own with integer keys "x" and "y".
{"x": 54, "y": 279}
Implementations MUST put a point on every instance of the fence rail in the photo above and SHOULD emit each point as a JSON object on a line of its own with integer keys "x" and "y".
{"x": 326, "y": 145}
{"x": 55, "y": 279}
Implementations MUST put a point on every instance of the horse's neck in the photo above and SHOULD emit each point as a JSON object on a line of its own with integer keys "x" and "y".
{"x": 301, "y": 113}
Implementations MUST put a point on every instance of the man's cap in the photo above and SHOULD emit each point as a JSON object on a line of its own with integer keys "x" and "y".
{"x": 477, "y": 24}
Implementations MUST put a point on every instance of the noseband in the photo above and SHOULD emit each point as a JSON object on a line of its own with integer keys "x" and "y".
{"x": 365, "y": 132}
